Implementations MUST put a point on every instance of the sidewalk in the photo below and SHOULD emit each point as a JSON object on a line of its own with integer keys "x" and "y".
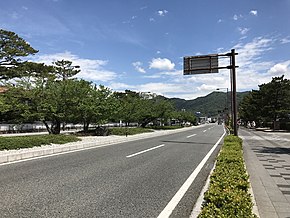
{"x": 267, "y": 157}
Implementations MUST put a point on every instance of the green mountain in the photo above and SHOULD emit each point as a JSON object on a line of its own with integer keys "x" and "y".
{"x": 210, "y": 105}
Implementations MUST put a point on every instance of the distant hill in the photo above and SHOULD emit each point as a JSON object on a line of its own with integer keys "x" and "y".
{"x": 209, "y": 105}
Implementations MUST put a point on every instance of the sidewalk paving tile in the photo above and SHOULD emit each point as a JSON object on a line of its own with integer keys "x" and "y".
{"x": 267, "y": 158}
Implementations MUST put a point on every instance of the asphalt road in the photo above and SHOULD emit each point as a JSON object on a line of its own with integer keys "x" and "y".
{"x": 132, "y": 179}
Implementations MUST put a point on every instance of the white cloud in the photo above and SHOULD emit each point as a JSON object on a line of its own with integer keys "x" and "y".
{"x": 161, "y": 64}
{"x": 254, "y": 12}
{"x": 243, "y": 31}
{"x": 285, "y": 40}
{"x": 91, "y": 70}
{"x": 138, "y": 67}
{"x": 236, "y": 17}
{"x": 162, "y": 12}
{"x": 120, "y": 86}
{"x": 171, "y": 82}
{"x": 151, "y": 19}
{"x": 155, "y": 76}
{"x": 279, "y": 69}
{"x": 252, "y": 71}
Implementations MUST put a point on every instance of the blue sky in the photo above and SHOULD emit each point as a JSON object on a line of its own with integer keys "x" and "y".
{"x": 140, "y": 44}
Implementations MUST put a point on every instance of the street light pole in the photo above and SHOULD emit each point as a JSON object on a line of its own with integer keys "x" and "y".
{"x": 227, "y": 101}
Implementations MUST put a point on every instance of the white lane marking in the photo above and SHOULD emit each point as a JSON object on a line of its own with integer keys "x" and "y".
{"x": 204, "y": 130}
{"x": 190, "y": 136}
{"x": 141, "y": 152}
{"x": 183, "y": 189}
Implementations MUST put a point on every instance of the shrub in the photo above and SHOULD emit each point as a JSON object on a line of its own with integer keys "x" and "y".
{"x": 128, "y": 131}
{"x": 165, "y": 127}
{"x": 17, "y": 142}
{"x": 228, "y": 195}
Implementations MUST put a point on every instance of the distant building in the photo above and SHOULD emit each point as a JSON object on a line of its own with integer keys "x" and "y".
{"x": 147, "y": 95}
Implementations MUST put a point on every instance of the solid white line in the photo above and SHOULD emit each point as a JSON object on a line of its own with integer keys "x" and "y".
{"x": 190, "y": 136}
{"x": 183, "y": 189}
{"x": 141, "y": 152}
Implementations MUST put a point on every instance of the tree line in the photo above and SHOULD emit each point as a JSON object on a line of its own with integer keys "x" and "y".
{"x": 52, "y": 94}
{"x": 269, "y": 106}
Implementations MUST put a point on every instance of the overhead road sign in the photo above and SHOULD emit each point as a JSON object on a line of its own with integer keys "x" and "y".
{"x": 209, "y": 64}
{"x": 200, "y": 64}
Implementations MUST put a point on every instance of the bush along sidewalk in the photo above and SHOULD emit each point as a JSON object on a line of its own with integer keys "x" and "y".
{"x": 228, "y": 194}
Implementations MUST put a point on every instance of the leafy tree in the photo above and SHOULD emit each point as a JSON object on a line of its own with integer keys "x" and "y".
{"x": 270, "y": 103}
{"x": 64, "y": 69}
{"x": 152, "y": 110}
{"x": 129, "y": 103}
{"x": 12, "y": 47}
{"x": 275, "y": 98}
{"x": 185, "y": 116}
{"x": 249, "y": 108}
{"x": 92, "y": 105}
{"x": 55, "y": 91}
{"x": 17, "y": 105}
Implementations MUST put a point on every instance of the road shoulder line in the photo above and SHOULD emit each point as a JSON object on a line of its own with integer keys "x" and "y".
{"x": 183, "y": 189}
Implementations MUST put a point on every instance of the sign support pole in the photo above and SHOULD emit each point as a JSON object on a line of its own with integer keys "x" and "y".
{"x": 209, "y": 64}
{"x": 234, "y": 91}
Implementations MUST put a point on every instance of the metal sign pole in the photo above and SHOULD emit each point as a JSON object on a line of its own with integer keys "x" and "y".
{"x": 234, "y": 91}
{"x": 209, "y": 64}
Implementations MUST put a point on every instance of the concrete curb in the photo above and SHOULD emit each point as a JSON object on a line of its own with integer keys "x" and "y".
{"x": 9, "y": 156}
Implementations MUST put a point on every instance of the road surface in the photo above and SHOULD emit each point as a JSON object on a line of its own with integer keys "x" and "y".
{"x": 132, "y": 179}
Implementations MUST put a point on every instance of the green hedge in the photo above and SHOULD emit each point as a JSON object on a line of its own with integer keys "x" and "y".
{"x": 228, "y": 194}
{"x": 128, "y": 131}
{"x": 164, "y": 127}
{"x": 17, "y": 142}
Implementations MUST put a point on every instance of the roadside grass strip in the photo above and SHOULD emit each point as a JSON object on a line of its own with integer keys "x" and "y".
{"x": 18, "y": 142}
{"x": 228, "y": 194}
{"x": 128, "y": 131}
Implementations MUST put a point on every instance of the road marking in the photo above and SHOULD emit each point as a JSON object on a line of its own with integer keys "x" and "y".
{"x": 183, "y": 189}
{"x": 204, "y": 130}
{"x": 190, "y": 136}
{"x": 141, "y": 152}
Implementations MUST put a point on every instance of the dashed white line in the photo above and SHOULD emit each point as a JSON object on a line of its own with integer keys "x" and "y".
{"x": 190, "y": 136}
{"x": 141, "y": 152}
{"x": 204, "y": 130}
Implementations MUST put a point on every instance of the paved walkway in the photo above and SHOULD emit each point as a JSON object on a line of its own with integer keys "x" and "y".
{"x": 267, "y": 157}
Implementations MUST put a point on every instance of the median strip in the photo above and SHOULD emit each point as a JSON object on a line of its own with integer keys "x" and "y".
{"x": 141, "y": 152}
